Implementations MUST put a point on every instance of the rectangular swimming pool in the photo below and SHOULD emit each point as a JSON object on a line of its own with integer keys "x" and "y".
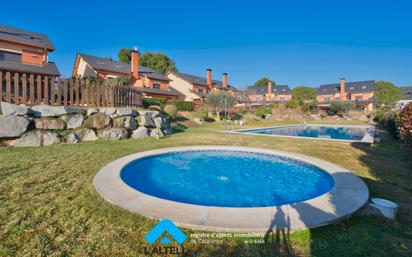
{"x": 345, "y": 133}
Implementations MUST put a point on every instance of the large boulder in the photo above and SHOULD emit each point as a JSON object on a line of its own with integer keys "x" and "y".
{"x": 86, "y": 134}
{"x": 13, "y": 109}
{"x": 160, "y": 122}
{"x": 146, "y": 120}
{"x": 12, "y": 126}
{"x": 37, "y": 138}
{"x": 108, "y": 110}
{"x": 97, "y": 121}
{"x": 53, "y": 111}
{"x": 127, "y": 122}
{"x": 49, "y": 123}
{"x": 140, "y": 132}
{"x": 126, "y": 111}
{"x": 50, "y": 138}
{"x": 73, "y": 121}
{"x": 31, "y": 138}
{"x": 113, "y": 134}
{"x": 92, "y": 111}
{"x": 156, "y": 132}
{"x": 154, "y": 114}
{"x": 72, "y": 138}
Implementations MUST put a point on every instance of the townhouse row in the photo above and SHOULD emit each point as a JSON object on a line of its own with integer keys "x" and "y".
{"x": 25, "y": 51}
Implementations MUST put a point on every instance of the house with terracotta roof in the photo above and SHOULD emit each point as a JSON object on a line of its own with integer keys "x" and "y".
{"x": 151, "y": 83}
{"x": 269, "y": 94}
{"x": 195, "y": 88}
{"x": 361, "y": 93}
{"x": 24, "y": 51}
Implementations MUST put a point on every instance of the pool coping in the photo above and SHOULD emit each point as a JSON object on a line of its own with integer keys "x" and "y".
{"x": 369, "y": 138}
{"x": 348, "y": 195}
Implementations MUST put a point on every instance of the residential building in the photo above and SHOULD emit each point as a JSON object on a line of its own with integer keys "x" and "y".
{"x": 269, "y": 94}
{"x": 195, "y": 88}
{"x": 151, "y": 83}
{"x": 26, "y": 52}
{"x": 360, "y": 93}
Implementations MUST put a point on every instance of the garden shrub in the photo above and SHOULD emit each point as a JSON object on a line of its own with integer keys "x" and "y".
{"x": 310, "y": 107}
{"x": 154, "y": 108}
{"x": 391, "y": 123}
{"x": 170, "y": 110}
{"x": 184, "y": 106}
{"x": 120, "y": 81}
{"x": 154, "y": 101}
{"x": 235, "y": 116}
{"x": 203, "y": 113}
{"x": 379, "y": 116}
{"x": 263, "y": 111}
{"x": 341, "y": 108}
{"x": 242, "y": 110}
{"x": 405, "y": 126}
{"x": 292, "y": 105}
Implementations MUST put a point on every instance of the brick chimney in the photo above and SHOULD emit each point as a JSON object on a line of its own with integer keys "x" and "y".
{"x": 135, "y": 66}
{"x": 270, "y": 90}
{"x": 342, "y": 89}
{"x": 225, "y": 80}
{"x": 209, "y": 78}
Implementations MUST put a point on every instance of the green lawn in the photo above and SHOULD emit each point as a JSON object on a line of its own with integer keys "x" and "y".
{"x": 50, "y": 208}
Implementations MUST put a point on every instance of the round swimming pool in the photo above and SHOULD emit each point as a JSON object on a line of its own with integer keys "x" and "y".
{"x": 232, "y": 188}
{"x": 226, "y": 178}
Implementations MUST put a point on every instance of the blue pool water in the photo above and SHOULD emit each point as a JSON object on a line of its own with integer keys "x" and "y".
{"x": 227, "y": 178}
{"x": 341, "y": 133}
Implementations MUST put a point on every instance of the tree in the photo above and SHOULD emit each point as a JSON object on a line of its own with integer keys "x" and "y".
{"x": 303, "y": 97}
{"x": 157, "y": 61}
{"x": 125, "y": 55}
{"x": 386, "y": 95}
{"x": 263, "y": 82}
{"x": 220, "y": 99}
{"x": 303, "y": 94}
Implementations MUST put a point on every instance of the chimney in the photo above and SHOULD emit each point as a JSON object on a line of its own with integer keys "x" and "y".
{"x": 209, "y": 78}
{"x": 225, "y": 80}
{"x": 342, "y": 89}
{"x": 135, "y": 65}
{"x": 270, "y": 90}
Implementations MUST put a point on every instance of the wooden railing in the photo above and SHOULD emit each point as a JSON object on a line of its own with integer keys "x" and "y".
{"x": 32, "y": 89}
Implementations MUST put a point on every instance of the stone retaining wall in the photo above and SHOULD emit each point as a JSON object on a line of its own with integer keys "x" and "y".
{"x": 42, "y": 125}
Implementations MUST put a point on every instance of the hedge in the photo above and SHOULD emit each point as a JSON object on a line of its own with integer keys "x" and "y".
{"x": 184, "y": 106}
{"x": 154, "y": 101}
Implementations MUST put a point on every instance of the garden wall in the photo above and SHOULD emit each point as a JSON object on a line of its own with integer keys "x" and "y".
{"x": 42, "y": 125}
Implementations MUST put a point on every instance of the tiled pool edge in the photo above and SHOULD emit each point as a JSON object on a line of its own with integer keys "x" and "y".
{"x": 369, "y": 138}
{"x": 347, "y": 196}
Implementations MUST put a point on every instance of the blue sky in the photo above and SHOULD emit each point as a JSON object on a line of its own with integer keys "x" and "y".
{"x": 291, "y": 42}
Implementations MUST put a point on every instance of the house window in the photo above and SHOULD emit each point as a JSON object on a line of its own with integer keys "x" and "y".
{"x": 257, "y": 99}
{"x": 358, "y": 98}
{"x": 10, "y": 57}
{"x": 200, "y": 90}
{"x": 282, "y": 99}
{"x": 156, "y": 86}
{"x": 327, "y": 99}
